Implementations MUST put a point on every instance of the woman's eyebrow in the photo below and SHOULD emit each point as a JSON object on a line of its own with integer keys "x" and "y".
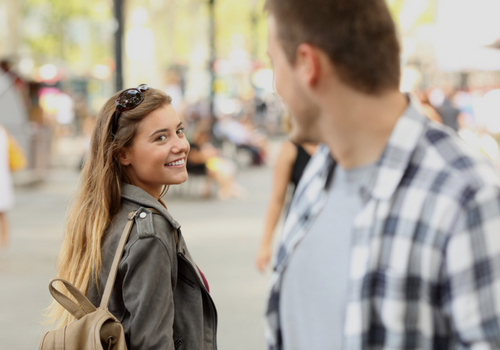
{"x": 165, "y": 129}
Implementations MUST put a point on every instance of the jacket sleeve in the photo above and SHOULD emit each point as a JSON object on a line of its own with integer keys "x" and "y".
{"x": 148, "y": 295}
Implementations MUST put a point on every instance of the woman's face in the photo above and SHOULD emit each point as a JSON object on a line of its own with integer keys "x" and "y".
{"x": 158, "y": 153}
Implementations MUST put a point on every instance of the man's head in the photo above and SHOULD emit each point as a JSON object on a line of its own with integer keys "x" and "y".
{"x": 357, "y": 38}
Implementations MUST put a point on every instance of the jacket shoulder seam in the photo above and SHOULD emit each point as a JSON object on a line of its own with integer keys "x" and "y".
{"x": 155, "y": 237}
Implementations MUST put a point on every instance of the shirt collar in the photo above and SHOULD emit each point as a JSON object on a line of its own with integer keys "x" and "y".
{"x": 397, "y": 153}
{"x": 392, "y": 164}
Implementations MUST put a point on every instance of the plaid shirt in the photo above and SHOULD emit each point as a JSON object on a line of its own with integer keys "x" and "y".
{"x": 425, "y": 249}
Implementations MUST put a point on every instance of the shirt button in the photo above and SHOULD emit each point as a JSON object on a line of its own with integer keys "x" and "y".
{"x": 143, "y": 215}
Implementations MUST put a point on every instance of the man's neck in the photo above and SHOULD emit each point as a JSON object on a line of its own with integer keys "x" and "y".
{"x": 356, "y": 126}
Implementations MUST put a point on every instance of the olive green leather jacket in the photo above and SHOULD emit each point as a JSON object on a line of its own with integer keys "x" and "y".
{"x": 159, "y": 295}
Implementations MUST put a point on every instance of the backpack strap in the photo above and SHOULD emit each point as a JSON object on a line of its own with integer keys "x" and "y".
{"x": 118, "y": 255}
{"x": 116, "y": 261}
{"x": 84, "y": 307}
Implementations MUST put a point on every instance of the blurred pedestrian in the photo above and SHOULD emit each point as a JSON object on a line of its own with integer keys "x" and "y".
{"x": 442, "y": 102}
{"x": 427, "y": 108}
{"x": 397, "y": 246}
{"x": 162, "y": 299}
{"x": 6, "y": 67}
{"x": 290, "y": 164}
{"x": 6, "y": 188}
{"x": 204, "y": 159}
{"x": 244, "y": 135}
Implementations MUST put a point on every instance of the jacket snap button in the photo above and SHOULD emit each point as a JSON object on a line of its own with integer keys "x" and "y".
{"x": 143, "y": 215}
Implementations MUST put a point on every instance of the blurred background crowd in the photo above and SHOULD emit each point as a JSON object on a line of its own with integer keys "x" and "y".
{"x": 60, "y": 59}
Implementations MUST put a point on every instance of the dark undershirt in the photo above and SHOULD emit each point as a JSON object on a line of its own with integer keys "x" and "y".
{"x": 299, "y": 165}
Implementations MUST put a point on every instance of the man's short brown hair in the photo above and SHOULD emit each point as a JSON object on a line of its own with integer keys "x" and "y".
{"x": 359, "y": 37}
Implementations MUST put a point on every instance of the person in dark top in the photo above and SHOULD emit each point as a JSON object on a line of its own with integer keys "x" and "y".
{"x": 193, "y": 167}
{"x": 299, "y": 165}
{"x": 204, "y": 159}
{"x": 288, "y": 169}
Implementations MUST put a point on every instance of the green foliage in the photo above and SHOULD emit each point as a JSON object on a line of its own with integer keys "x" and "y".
{"x": 427, "y": 17}
{"x": 73, "y": 32}
{"x": 236, "y": 18}
{"x": 56, "y": 36}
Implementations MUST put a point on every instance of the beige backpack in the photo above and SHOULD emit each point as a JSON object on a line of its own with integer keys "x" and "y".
{"x": 94, "y": 328}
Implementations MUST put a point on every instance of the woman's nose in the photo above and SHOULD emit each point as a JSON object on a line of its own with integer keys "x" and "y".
{"x": 181, "y": 145}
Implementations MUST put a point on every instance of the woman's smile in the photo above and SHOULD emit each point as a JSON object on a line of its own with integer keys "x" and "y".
{"x": 179, "y": 163}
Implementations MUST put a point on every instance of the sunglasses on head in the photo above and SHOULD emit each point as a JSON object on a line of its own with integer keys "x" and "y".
{"x": 127, "y": 100}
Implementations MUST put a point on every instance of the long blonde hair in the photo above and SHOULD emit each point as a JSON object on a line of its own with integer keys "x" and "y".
{"x": 99, "y": 196}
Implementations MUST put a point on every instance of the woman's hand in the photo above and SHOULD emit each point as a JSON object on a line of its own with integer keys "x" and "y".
{"x": 263, "y": 258}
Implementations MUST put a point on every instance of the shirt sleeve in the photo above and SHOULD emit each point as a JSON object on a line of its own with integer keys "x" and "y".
{"x": 148, "y": 295}
{"x": 472, "y": 272}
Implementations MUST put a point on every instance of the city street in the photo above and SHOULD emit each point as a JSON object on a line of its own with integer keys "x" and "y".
{"x": 222, "y": 236}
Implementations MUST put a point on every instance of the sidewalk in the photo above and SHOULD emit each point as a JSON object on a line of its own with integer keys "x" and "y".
{"x": 222, "y": 237}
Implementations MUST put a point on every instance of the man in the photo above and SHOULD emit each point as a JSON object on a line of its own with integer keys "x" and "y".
{"x": 398, "y": 246}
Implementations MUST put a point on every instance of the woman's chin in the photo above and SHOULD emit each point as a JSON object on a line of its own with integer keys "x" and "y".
{"x": 178, "y": 180}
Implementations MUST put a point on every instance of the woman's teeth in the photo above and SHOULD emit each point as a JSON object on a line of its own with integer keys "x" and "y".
{"x": 177, "y": 162}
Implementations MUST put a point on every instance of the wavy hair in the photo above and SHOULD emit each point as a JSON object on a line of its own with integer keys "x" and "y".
{"x": 98, "y": 197}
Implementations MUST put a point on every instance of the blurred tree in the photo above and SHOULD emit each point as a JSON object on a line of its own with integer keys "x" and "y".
{"x": 244, "y": 18}
{"x": 69, "y": 32}
{"x": 410, "y": 14}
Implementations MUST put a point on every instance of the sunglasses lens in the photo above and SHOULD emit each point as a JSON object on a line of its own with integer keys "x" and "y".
{"x": 129, "y": 99}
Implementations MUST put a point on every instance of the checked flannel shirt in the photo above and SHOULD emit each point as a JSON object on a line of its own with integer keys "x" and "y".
{"x": 425, "y": 249}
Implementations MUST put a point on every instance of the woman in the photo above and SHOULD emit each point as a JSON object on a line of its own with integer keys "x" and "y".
{"x": 204, "y": 159}
{"x": 160, "y": 296}
{"x": 6, "y": 188}
{"x": 290, "y": 165}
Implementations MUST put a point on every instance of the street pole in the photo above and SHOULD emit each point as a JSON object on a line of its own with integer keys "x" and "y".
{"x": 118, "y": 13}
{"x": 254, "y": 22}
{"x": 211, "y": 33}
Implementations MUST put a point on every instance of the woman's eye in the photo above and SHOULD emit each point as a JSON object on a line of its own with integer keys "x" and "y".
{"x": 180, "y": 131}
{"x": 161, "y": 138}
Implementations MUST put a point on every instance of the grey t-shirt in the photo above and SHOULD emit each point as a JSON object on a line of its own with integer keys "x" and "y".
{"x": 314, "y": 285}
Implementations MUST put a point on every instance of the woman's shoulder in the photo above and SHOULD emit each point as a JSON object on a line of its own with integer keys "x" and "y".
{"x": 150, "y": 231}
{"x": 288, "y": 151}
{"x": 148, "y": 221}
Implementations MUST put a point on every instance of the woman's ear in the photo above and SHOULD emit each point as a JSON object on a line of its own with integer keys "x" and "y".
{"x": 124, "y": 156}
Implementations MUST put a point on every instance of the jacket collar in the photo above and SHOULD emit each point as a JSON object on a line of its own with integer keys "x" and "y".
{"x": 144, "y": 199}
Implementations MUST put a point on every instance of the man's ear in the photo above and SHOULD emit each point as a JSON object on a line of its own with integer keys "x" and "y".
{"x": 124, "y": 157}
{"x": 308, "y": 63}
